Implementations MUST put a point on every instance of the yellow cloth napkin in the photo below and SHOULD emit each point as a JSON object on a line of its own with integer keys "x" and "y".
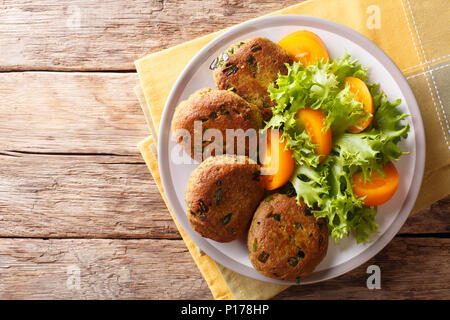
{"x": 414, "y": 33}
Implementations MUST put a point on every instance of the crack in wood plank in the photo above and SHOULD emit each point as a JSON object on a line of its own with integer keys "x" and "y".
{"x": 440, "y": 235}
{"x": 70, "y": 154}
{"x": 125, "y": 71}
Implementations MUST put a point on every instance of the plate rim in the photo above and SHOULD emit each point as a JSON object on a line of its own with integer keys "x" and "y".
{"x": 410, "y": 101}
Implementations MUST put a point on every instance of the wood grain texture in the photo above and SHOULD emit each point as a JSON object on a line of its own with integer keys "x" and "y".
{"x": 70, "y": 166}
{"x": 433, "y": 220}
{"x": 80, "y": 197}
{"x": 50, "y": 112}
{"x": 163, "y": 269}
{"x": 98, "y": 269}
{"x": 111, "y": 34}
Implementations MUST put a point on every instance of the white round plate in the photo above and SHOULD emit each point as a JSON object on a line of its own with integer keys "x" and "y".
{"x": 341, "y": 257}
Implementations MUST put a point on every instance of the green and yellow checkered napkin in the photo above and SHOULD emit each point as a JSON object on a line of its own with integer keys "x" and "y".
{"x": 414, "y": 33}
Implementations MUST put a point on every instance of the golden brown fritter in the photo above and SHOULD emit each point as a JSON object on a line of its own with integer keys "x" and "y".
{"x": 221, "y": 110}
{"x": 248, "y": 68}
{"x": 285, "y": 240}
{"x": 222, "y": 195}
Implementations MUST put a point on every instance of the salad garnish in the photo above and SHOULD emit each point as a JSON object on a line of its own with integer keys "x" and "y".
{"x": 323, "y": 179}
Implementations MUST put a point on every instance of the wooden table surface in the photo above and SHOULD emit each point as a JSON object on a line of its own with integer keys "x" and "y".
{"x": 80, "y": 216}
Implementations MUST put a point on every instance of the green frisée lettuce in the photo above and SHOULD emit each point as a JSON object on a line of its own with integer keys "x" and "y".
{"x": 326, "y": 187}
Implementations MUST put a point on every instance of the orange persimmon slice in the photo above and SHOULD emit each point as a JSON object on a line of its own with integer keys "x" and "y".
{"x": 314, "y": 123}
{"x": 305, "y": 46}
{"x": 277, "y": 161}
{"x": 380, "y": 190}
{"x": 362, "y": 93}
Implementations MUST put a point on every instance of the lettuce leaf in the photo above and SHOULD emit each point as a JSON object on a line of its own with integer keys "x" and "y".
{"x": 327, "y": 187}
{"x": 319, "y": 86}
{"x": 311, "y": 184}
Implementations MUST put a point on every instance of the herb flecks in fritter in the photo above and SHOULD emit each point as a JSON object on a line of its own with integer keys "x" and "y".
{"x": 293, "y": 240}
{"x": 227, "y": 182}
{"x": 250, "y": 69}
{"x": 221, "y": 110}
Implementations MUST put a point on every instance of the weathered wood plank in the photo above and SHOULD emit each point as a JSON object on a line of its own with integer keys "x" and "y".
{"x": 69, "y": 162}
{"x": 107, "y": 269}
{"x": 163, "y": 269}
{"x": 435, "y": 219}
{"x": 80, "y": 196}
{"x": 70, "y": 112}
{"x": 110, "y": 35}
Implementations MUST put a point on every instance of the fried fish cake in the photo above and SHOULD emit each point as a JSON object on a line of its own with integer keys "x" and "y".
{"x": 236, "y": 123}
{"x": 221, "y": 196}
{"x": 248, "y": 68}
{"x": 285, "y": 240}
